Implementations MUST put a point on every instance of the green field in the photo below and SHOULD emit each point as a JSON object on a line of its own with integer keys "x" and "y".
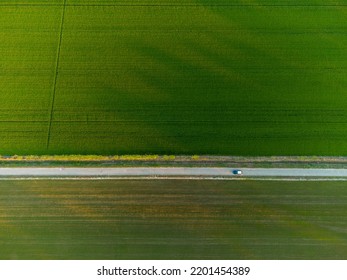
{"x": 173, "y": 77}
{"x": 172, "y": 219}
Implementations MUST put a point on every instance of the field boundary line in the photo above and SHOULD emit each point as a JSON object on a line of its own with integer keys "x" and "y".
{"x": 56, "y": 75}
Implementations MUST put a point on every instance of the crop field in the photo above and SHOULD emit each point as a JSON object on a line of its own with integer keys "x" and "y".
{"x": 172, "y": 219}
{"x": 243, "y": 77}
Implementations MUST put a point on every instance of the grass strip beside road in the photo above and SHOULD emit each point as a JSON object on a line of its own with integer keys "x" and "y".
{"x": 171, "y": 160}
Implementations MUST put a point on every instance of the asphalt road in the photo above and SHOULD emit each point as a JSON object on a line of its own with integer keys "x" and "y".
{"x": 170, "y": 171}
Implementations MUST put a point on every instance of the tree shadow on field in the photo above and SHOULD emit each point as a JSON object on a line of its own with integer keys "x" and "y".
{"x": 192, "y": 89}
{"x": 204, "y": 75}
{"x": 294, "y": 60}
{"x": 201, "y": 79}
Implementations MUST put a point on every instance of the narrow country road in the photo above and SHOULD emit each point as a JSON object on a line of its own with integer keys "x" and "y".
{"x": 169, "y": 171}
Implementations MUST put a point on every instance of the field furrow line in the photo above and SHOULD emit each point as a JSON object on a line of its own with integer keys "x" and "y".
{"x": 56, "y": 75}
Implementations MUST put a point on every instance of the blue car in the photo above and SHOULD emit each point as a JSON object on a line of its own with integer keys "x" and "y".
{"x": 237, "y": 172}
